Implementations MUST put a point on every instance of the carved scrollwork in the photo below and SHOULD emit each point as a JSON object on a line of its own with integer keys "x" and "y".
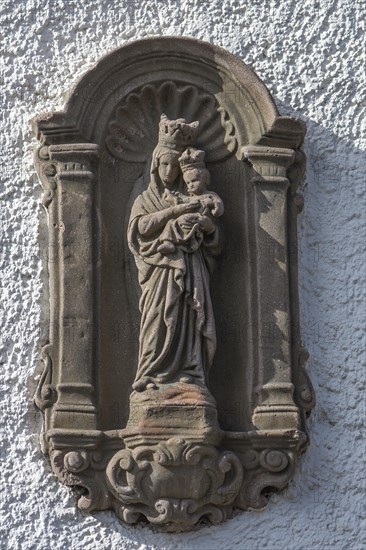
{"x": 265, "y": 471}
{"x": 147, "y": 482}
{"x": 304, "y": 391}
{"x": 76, "y": 461}
{"x": 45, "y": 394}
{"x": 299, "y": 202}
{"x": 132, "y": 132}
{"x": 175, "y": 514}
{"x": 273, "y": 460}
{"x": 81, "y": 471}
{"x": 47, "y": 173}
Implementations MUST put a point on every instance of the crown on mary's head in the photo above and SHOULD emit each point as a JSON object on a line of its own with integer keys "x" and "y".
{"x": 192, "y": 159}
{"x": 176, "y": 133}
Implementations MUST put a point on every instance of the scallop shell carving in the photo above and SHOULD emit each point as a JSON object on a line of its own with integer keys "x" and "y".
{"x": 133, "y": 133}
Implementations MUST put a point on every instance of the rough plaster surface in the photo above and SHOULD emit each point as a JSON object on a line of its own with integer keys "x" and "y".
{"x": 310, "y": 55}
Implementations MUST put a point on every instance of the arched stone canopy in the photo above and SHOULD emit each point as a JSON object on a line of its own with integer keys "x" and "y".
{"x": 209, "y": 68}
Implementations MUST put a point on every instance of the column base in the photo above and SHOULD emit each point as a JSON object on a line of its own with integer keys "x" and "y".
{"x": 275, "y": 417}
{"x": 277, "y": 409}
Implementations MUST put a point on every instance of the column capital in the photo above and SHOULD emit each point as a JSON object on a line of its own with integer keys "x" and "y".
{"x": 270, "y": 163}
{"x": 73, "y": 151}
{"x": 76, "y": 161}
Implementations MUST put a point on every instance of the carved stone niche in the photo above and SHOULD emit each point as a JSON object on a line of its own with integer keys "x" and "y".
{"x": 170, "y": 182}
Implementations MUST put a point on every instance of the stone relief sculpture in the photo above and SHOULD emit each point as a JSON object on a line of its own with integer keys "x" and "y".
{"x": 205, "y": 410}
{"x": 171, "y": 237}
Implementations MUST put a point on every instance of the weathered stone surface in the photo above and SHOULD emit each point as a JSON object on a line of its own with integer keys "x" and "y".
{"x": 214, "y": 165}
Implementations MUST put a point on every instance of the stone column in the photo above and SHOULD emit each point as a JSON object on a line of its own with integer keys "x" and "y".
{"x": 76, "y": 166}
{"x": 275, "y": 408}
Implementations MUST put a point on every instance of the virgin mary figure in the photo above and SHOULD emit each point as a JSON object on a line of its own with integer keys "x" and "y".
{"x": 177, "y": 334}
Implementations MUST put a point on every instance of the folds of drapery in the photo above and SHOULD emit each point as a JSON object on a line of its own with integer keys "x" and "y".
{"x": 177, "y": 333}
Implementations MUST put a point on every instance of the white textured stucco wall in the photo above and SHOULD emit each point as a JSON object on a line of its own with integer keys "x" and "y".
{"x": 310, "y": 55}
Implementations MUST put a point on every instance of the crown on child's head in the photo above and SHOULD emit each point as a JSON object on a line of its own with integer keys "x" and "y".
{"x": 176, "y": 134}
{"x": 192, "y": 159}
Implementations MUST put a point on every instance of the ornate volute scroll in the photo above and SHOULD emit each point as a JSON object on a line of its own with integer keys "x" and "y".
{"x": 170, "y": 183}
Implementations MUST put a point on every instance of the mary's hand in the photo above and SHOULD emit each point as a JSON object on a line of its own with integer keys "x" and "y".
{"x": 206, "y": 224}
{"x": 187, "y": 221}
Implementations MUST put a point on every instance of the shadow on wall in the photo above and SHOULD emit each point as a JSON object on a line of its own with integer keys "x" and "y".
{"x": 331, "y": 252}
{"x": 330, "y": 241}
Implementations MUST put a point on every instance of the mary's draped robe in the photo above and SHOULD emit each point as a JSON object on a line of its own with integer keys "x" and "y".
{"x": 177, "y": 334}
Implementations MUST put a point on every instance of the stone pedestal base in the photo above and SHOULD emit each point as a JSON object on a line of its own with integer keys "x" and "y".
{"x": 172, "y": 410}
{"x": 171, "y": 471}
{"x": 174, "y": 483}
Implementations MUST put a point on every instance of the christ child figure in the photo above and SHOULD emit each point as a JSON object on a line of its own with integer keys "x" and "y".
{"x": 197, "y": 178}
